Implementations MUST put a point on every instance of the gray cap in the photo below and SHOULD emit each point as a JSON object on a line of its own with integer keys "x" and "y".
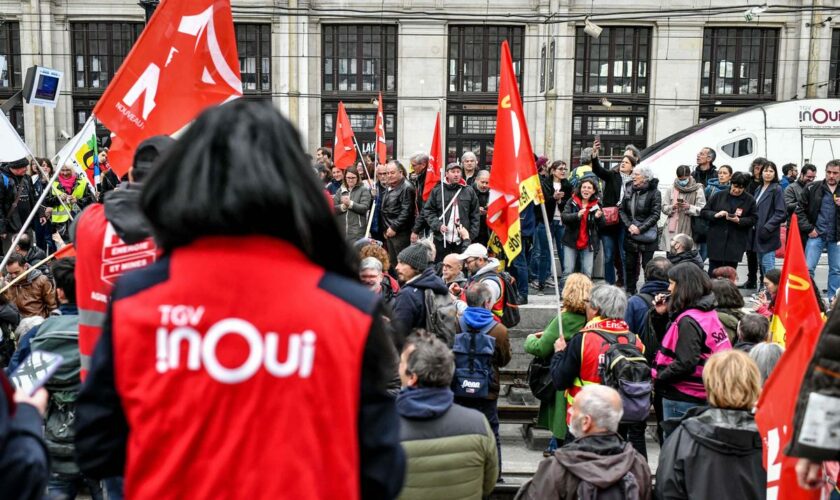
{"x": 416, "y": 256}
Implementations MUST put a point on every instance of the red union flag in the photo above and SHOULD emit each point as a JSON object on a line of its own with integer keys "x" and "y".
{"x": 344, "y": 153}
{"x": 514, "y": 182}
{"x": 433, "y": 169}
{"x": 381, "y": 145}
{"x": 184, "y": 62}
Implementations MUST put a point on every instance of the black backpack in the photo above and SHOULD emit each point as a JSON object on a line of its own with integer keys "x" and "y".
{"x": 626, "y": 488}
{"x": 625, "y": 369}
{"x": 510, "y": 297}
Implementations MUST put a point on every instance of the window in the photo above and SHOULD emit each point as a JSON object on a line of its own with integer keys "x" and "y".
{"x": 551, "y": 64}
{"x": 474, "y": 54}
{"x": 739, "y": 62}
{"x": 542, "y": 68}
{"x": 614, "y": 63}
{"x": 11, "y": 77}
{"x": 98, "y": 51}
{"x": 253, "y": 42}
{"x": 739, "y": 148}
{"x": 358, "y": 62}
{"x": 359, "y": 58}
{"x": 834, "y": 65}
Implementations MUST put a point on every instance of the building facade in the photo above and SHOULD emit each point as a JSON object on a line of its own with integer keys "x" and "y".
{"x": 656, "y": 68}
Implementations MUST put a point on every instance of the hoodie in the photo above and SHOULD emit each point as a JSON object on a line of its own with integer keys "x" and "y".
{"x": 599, "y": 459}
{"x": 424, "y": 403}
{"x": 122, "y": 209}
{"x": 714, "y": 453}
{"x": 639, "y": 305}
{"x": 687, "y": 256}
{"x": 410, "y": 303}
{"x": 475, "y": 319}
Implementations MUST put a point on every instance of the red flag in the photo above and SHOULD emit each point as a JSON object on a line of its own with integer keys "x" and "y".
{"x": 67, "y": 250}
{"x": 514, "y": 182}
{"x": 184, "y": 62}
{"x": 797, "y": 310}
{"x": 433, "y": 174}
{"x": 381, "y": 145}
{"x": 344, "y": 152}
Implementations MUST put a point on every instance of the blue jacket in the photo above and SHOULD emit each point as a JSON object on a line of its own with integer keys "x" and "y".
{"x": 410, "y": 303}
{"x": 637, "y": 307}
{"x": 24, "y": 349}
{"x": 772, "y": 213}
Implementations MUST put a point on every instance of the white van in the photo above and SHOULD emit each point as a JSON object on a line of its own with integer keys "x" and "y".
{"x": 801, "y": 131}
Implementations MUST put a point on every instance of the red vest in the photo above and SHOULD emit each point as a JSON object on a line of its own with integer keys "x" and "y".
{"x": 233, "y": 360}
{"x": 592, "y": 349}
{"x": 101, "y": 258}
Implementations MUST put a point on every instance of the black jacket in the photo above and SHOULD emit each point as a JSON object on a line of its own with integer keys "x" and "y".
{"x": 398, "y": 209}
{"x": 410, "y": 304}
{"x": 646, "y": 204}
{"x": 612, "y": 183}
{"x": 691, "y": 341}
{"x": 727, "y": 241}
{"x": 24, "y": 461}
{"x": 467, "y": 208}
{"x": 571, "y": 220}
{"x": 809, "y": 208}
{"x": 771, "y": 214}
{"x": 714, "y": 453}
{"x": 122, "y": 209}
{"x": 703, "y": 176}
{"x": 688, "y": 256}
{"x": 483, "y": 231}
{"x": 12, "y": 214}
{"x": 793, "y": 196}
{"x": 420, "y": 225}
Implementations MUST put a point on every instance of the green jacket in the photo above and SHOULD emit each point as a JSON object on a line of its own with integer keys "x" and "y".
{"x": 449, "y": 457}
{"x": 553, "y": 415}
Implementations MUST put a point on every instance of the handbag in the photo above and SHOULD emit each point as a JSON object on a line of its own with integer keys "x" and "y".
{"x": 699, "y": 228}
{"x": 539, "y": 379}
{"x": 650, "y": 235}
{"x": 610, "y": 215}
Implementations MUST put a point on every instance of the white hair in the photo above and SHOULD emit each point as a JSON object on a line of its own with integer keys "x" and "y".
{"x": 644, "y": 171}
{"x": 602, "y": 404}
{"x": 470, "y": 155}
{"x": 370, "y": 263}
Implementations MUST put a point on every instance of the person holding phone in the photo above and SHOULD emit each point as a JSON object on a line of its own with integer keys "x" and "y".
{"x": 583, "y": 219}
{"x": 731, "y": 215}
{"x": 682, "y": 203}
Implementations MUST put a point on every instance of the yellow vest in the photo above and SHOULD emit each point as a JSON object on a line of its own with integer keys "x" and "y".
{"x": 60, "y": 213}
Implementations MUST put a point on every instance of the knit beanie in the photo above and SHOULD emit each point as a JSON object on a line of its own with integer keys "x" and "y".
{"x": 416, "y": 256}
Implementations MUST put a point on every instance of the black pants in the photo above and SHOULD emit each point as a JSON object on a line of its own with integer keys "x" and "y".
{"x": 396, "y": 245}
{"x": 752, "y": 268}
{"x": 441, "y": 252}
{"x": 489, "y": 407}
{"x": 632, "y": 267}
{"x": 635, "y": 434}
{"x": 714, "y": 264}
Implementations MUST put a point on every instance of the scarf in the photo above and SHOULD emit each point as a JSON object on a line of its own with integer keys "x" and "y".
{"x": 67, "y": 183}
{"x": 583, "y": 234}
{"x": 680, "y": 222}
{"x": 691, "y": 187}
{"x": 614, "y": 326}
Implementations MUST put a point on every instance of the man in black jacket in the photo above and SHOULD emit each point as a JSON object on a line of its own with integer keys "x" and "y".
{"x": 17, "y": 197}
{"x": 682, "y": 250}
{"x": 398, "y": 211}
{"x": 419, "y": 163}
{"x": 452, "y": 213}
{"x": 705, "y": 169}
{"x": 819, "y": 218}
{"x": 795, "y": 191}
{"x": 482, "y": 191}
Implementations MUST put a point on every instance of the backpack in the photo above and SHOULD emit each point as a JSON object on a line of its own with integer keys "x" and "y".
{"x": 441, "y": 316}
{"x": 60, "y": 335}
{"x": 473, "y": 362}
{"x": 625, "y": 488}
{"x": 510, "y": 297}
{"x": 625, "y": 368}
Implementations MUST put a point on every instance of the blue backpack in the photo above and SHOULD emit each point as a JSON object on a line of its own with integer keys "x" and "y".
{"x": 473, "y": 362}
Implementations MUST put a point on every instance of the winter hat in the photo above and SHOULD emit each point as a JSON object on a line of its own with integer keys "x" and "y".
{"x": 416, "y": 256}
{"x": 23, "y": 162}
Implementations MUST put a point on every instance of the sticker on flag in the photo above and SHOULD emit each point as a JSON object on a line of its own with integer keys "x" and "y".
{"x": 85, "y": 157}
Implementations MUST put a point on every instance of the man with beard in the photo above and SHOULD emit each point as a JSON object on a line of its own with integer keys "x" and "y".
{"x": 481, "y": 186}
{"x": 795, "y": 191}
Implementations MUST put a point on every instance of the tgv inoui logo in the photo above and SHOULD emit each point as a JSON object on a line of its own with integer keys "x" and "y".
{"x": 201, "y": 350}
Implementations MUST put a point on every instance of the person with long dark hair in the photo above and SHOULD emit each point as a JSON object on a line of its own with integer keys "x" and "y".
{"x": 771, "y": 213}
{"x": 694, "y": 335}
{"x": 236, "y": 191}
{"x": 583, "y": 220}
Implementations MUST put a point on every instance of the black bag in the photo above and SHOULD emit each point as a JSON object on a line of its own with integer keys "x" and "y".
{"x": 539, "y": 379}
{"x": 510, "y": 297}
{"x": 699, "y": 229}
{"x": 625, "y": 369}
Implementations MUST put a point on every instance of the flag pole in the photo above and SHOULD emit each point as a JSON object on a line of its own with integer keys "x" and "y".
{"x": 553, "y": 268}
{"x": 442, "y": 166}
{"x": 40, "y": 201}
{"x": 367, "y": 174}
{"x": 31, "y": 268}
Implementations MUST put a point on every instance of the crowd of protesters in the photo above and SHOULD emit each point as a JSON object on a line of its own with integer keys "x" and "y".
{"x": 409, "y": 278}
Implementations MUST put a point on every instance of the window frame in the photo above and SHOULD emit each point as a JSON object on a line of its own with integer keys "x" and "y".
{"x": 10, "y": 39}
{"x": 834, "y": 65}
{"x": 261, "y": 30}
{"x": 363, "y": 136}
{"x": 713, "y": 37}
{"x": 114, "y": 59}
{"x": 641, "y": 53}
{"x": 388, "y": 38}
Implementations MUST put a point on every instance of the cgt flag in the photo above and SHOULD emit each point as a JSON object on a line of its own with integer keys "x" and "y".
{"x": 799, "y": 315}
{"x": 184, "y": 62}
{"x": 433, "y": 169}
{"x": 344, "y": 152}
{"x": 381, "y": 145}
{"x": 514, "y": 182}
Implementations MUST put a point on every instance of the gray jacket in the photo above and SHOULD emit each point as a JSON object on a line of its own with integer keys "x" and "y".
{"x": 353, "y": 221}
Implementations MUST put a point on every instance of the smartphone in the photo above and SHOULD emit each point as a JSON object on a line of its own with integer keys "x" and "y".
{"x": 680, "y": 200}
{"x": 662, "y": 299}
{"x": 35, "y": 370}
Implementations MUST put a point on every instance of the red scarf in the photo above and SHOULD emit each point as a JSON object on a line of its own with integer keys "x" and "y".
{"x": 583, "y": 234}
{"x": 67, "y": 182}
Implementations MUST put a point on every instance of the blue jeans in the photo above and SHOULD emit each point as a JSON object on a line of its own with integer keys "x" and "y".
{"x": 540, "y": 266}
{"x": 570, "y": 257}
{"x": 519, "y": 268}
{"x": 113, "y": 487}
{"x": 703, "y": 250}
{"x": 612, "y": 243}
{"x": 557, "y": 231}
{"x": 767, "y": 261}
{"x": 66, "y": 486}
{"x": 675, "y": 410}
{"x": 813, "y": 250}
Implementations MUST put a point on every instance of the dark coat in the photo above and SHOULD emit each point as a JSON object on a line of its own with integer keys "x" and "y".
{"x": 467, "y": 208}
{"x": 726, "y": 240}
{"x": 809, "y": 208}
{"x": 483, "y": 231}
{"x": 571, "y": 220}
{"x": 639, "y": 305}
{"x": 398, "y": 208}
{"x": 12, "y": 216}
{"x": 793, "y": 196}
{"x": 704, "y": 176}
{"x": 771, "y": 214}
{"x": 419, "y": 184}
{"x": 612, "y": 183}
{"x": 688, "y": 256}
{"x": 714, "y": 453}
{"x": 551, "y": 205}
{"x": 642, "y": 208}
{"x": 24, "y": 461}
{"x": 410, "y": 302}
